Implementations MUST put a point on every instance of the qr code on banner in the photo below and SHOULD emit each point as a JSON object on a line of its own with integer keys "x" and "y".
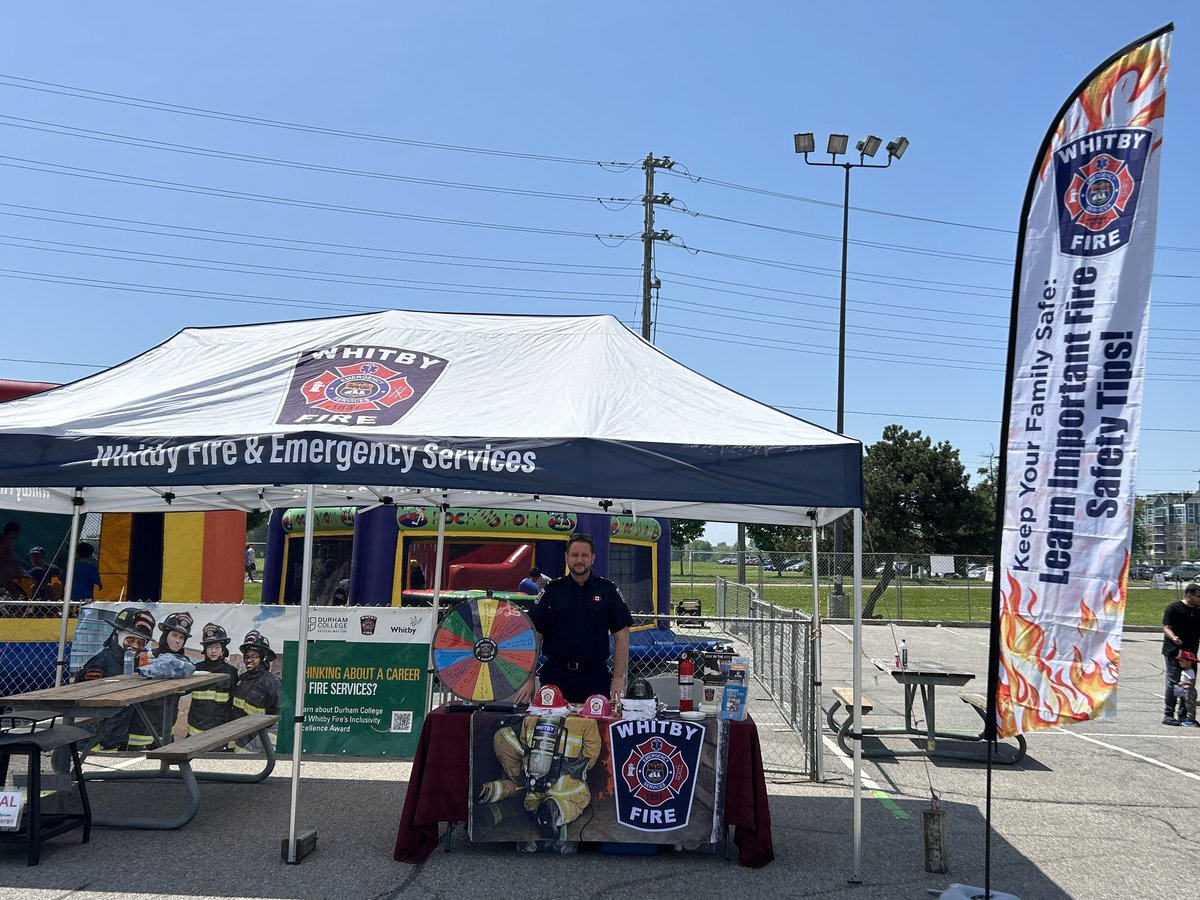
{"x": 402, "y": 722}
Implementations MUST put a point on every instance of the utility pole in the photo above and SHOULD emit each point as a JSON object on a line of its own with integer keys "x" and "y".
{"x": 649, "y": 235}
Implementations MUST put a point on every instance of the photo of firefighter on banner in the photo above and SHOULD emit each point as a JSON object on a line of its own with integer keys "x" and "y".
{"x": 551, "y": 776}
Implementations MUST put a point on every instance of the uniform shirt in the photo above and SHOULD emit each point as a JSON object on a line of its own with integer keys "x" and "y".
{"x": 1185, "y": 622}
{"x": 575, "y": 620}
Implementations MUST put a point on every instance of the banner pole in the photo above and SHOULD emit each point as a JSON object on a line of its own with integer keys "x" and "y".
{"x": 857, "y": 736}
{"x": 818, "y": 758}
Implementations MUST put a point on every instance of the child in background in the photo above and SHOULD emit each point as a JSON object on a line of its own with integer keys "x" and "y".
{"x": 1186, "y": 689}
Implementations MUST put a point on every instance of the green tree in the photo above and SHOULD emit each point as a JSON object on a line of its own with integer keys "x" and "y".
{"x": 777, "y": 542}
{"x": 919, "y": 498}
{"x": 683, "y": 532}
{"x": 1140, "y": 546}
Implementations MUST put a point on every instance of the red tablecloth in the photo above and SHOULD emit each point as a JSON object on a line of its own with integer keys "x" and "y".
{"x": 440, "y": 786}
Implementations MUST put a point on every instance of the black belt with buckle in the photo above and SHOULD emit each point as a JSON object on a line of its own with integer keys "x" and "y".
{"x": 573, "y": 666}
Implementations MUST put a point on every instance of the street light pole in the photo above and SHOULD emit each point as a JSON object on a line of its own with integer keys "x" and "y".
{"x": 867, "y": 147}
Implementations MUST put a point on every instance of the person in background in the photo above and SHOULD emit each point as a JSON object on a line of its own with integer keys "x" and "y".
{"x": 132, "y": 630}
{"x": 10, "y": 569}
{"x": 43, "y": 574}
{"x": 161, "y": 712}
{"x": 416, "y": 578}
{"x": 258, "y": 687}
{"x": 1186, "y": 689}
{"x": 87, "y": 576}
{"x": 213, "y": 706}
{"x": 1181, "y": 631}
{"x": 250, "y": 564}
{"x": 532, "y": 583}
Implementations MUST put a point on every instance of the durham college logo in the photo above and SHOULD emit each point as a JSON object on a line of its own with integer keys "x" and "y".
{"x": 655, "y": 764}
{"x": 355, "y": 384}
{"x": 1098, "y": 179}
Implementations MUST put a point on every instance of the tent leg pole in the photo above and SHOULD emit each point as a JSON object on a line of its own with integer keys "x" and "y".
{"x": 437, "y": 595}
{"x": 68, "y": 586}
{"x": 856, "y": 876}
{"x": 301, "y": 669}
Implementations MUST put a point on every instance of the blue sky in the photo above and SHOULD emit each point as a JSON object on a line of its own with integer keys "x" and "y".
{"x": 337, "y": 214}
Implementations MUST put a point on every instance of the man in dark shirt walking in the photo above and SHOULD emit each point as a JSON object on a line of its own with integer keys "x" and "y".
{"x": 1181, "y": 631}
{"x": 574, "y": 618}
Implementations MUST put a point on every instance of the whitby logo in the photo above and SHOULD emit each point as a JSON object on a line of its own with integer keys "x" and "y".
{"x": 354, "y": 384}
{"x": 1098, "y": 181}
{"x": 655, "y": 764}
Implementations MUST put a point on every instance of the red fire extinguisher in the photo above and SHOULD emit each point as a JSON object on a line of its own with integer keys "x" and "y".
{"x": 687, "y": 672}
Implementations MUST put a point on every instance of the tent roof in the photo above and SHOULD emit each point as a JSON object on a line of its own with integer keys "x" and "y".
{"x": 534, "y": 411}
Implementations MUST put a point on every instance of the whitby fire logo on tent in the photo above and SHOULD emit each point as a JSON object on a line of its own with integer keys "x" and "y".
{"x": 358, "y": 385}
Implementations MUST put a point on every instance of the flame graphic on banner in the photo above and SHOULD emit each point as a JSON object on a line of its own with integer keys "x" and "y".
{"x": 1049, "y": 672}
{"x": 1132, "y": 89}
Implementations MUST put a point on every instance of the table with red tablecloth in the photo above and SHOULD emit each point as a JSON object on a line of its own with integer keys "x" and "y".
{"x": 439, "y": 789}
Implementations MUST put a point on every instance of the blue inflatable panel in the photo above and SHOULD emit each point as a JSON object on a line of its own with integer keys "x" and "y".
{"x": 27, "y": 666}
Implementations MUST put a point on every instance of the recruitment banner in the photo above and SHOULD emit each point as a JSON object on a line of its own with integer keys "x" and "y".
{"x": 360, "y": 699}
{"x": 1076, "y": 370}
{"x": 365, "y": 681}
{"x": 365, "y": 662}
{"x": 570, "y": 778}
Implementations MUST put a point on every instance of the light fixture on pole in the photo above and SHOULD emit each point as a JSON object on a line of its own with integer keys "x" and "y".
{"x": 805, "y": 144}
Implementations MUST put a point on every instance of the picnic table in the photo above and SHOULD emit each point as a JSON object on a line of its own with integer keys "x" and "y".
{"x": 90, "y": 701}
{"x": 921, "y": 679}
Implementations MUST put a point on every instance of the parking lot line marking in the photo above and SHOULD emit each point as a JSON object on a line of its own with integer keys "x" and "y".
{"x": 876, "y": 791}
{"x": 964, "y": 637}
{"x": 1149, "y": 759}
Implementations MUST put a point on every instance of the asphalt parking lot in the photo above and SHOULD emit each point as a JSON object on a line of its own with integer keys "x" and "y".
{"x": 1102, "y": 810}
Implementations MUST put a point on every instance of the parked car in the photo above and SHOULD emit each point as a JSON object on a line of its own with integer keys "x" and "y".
{"x": 727, "y": 561}
{"x": 1183, "y": 572}
{"x": 977, "y": 572}
{"x": 1142, "y": 573}
{"x": 798, "y": 566}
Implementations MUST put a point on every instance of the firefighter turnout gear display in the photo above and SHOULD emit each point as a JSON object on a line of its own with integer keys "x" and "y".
{"x": 544, "y": 781}
{"x": 544, "y": 758}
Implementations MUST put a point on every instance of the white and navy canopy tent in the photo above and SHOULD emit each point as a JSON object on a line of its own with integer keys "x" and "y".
{"x": 560, "y": 413}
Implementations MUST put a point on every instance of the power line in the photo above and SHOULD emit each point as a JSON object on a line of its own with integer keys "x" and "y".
{"x": 146, "y": 143}
{"x": 51, "y": 87}
{"x": 211, "y": 235}
{"x": 271, "y": 271}
{"x": 181, "y": 187}
{"x": 697, "y": 179}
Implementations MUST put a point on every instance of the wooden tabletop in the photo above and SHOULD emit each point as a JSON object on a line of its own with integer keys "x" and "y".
{"x": 115, "y": 691}
{"x": 924, "y": 672}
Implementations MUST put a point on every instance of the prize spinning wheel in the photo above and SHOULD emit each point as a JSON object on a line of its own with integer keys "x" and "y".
{"x": 484, "y": 649}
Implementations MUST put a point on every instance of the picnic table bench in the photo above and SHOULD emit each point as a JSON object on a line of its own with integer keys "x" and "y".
{"x": 180, "y": 754}
{"x": 845, "y": 697}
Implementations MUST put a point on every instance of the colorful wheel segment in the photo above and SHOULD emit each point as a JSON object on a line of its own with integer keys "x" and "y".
{"x": 484, "y": 649}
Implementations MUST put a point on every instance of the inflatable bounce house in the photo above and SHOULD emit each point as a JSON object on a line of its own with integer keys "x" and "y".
{"x": 142, "y": 557}
{"x": 387, "y": 556}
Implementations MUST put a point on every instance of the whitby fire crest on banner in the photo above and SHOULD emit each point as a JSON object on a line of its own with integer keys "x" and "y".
{"x": 1076, "y": 370}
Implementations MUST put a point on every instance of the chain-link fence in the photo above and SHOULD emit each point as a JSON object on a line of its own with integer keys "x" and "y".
{"x": 29, "y": 631}
{"x": 895, "y": 586}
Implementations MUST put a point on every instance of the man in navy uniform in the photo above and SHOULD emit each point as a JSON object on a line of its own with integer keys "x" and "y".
{"x": 573, "y": 619}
